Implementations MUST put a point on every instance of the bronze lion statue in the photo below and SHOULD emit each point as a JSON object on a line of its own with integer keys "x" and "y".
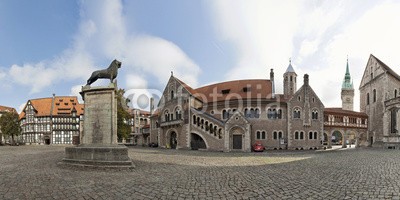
{"x": 110, "y": 73}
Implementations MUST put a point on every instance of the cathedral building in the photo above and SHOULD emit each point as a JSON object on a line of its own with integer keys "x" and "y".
{"x": 233, "y": 115}
{"x": 379, "y": 99}
{"x": 53, "y": 120}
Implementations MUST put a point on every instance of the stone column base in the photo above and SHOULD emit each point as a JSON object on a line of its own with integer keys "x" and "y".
{"x": 98, "y": 156}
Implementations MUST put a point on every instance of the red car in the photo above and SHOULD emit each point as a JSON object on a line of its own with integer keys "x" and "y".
{"x": 258, "y": 147}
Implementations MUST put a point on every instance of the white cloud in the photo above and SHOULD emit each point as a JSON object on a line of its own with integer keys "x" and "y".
{"x": 316, "y": 34}
{"x": 134, "y": 81}
{"x": 21, "y": 107}
{"x": 75, "y": 91}
{"x": 103, "y": 36}
{"x": 158, "y": 57}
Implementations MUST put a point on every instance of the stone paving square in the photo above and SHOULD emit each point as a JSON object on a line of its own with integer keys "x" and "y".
{"x": 31, "y": 172}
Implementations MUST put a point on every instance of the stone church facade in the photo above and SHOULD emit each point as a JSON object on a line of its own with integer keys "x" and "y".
{"x": 233, "y": 115}
{"x": 379, "y": 99}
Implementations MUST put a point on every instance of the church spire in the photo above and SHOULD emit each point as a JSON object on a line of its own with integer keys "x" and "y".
{"x": 347, "y": 83}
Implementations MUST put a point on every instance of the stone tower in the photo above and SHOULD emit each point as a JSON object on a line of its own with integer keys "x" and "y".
{"x": 289, "y": 83}
{"x": 347, "y": 90}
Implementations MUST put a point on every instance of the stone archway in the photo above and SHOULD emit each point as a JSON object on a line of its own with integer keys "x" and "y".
{"x": 197, "y": 142}
{"x": 47, "y": 140}
{"x": 337, "y": 137}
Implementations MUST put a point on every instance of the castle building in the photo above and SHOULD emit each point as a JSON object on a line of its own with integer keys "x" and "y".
{"x": 53, "y": 120}
{"x": 233, "y": 115}
{"x": 5, "y": 109}
{"x": 379, "y": 99}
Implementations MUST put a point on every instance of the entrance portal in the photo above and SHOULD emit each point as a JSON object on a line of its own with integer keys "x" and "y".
{"x": 47, "y": 141}
{"x": 237, "y": 141}
{"x": 173, "y": 141}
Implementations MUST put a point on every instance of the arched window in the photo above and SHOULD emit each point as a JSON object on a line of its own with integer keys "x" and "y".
{"x": 252, "y": 113}
{"x": 296, "y": 113}
{"x": 211, "y": 128}
{"x": 263, "y": 135}
{"x": 280, "y": 135}
{"x": 194, "y": 119}
{"x": 246, "y": 112}
{"x": 172, "y": 94}
{"x": 220, "y": 133}
{"x": 275, "y": 135}
{"x": 310, "y": 135}
{"x": 296, "y": 135}
{"x": 269, "y": 113}
{"x": 166, "y": 115}
{"x": 314, "y": 114}
{"x": 224, "y": 114}
{"x": 257, "y": 113}
{"x": 198, "y": 121}
{"x": 315, "y": 135}
{"x": 374, "y": 93}
{"x": 301, "y": 135}
{"x": 395, "y": 93}
{"x": 178, "y": 113}
{"x": 258, "y": 135}
{"x": 279, "y": 114}
{"x": 206, "y": 125}
{"x": 367, "y": 98}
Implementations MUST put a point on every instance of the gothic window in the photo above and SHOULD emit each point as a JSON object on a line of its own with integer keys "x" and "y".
{"x": 270, "y": 113}
{"x": 172, "y": 94}
{"x": 315, "y": 135}
{"x": 374, "y": 93}
{"x": 194, "y": 119}
{"x": 393, "y": 120}
{"x": 211, "y": 128}
{"x": 280, "y": 134}
{"x": 252, "y": 113}
{"x": 367, "y": 98}
{"x": 206, "y": 125}
{"x": 310, "y": 135}
{"x": 275, "y": 135}
{"x": 263, "y": 135}
{"x": 395, "y": 93}
{"x": 301, "y": 135}
{"x": 296, "y": 113}
{"x": 296, "y": 135}
{"x": 258, "y": 135}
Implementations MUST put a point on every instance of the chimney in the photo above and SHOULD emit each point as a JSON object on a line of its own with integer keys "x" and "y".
{"x": 305, "y": 79}
{"x": 271, "y": 77}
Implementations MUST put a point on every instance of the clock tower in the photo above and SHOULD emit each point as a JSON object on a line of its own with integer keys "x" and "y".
{"x": 347, "y": 90}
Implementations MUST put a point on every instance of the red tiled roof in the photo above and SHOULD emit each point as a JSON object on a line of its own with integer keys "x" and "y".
{"x": 62, "y": 105}
{"x": 7, "y": 109}
{"x": 344, "y": 112}
{"x": 243, "y": 89}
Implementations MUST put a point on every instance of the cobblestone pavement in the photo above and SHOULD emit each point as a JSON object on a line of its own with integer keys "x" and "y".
{"x": 31, "y": 172}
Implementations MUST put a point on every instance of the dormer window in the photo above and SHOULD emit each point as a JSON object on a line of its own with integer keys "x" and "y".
{"x": 226, "y": 91}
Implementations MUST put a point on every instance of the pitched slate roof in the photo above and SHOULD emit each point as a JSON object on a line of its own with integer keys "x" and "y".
{"x": 387, "y": 68}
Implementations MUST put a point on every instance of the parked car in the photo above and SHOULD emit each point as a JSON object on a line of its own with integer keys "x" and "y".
{"x": 258, "y": 147}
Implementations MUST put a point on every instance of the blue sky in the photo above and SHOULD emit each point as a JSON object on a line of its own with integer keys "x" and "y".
{"x": 51, "y": 46}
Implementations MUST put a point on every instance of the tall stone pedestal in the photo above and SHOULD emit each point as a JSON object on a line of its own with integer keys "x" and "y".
{"x": 99, "y": 147}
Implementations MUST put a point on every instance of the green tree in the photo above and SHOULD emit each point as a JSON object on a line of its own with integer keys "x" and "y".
{"x": 10, "y": 125}
{"x": 123, "y": 128}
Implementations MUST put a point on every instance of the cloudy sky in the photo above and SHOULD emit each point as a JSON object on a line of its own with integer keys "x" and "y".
{"x": 51, "y": 46}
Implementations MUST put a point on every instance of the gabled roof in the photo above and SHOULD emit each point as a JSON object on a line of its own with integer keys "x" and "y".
{"x": 54, "y": 106}
{"x": 186, "y": 86}
{"x": 344, "y": 112}
{"x": 387, "y": 68}
{"x": 7, "y": 109}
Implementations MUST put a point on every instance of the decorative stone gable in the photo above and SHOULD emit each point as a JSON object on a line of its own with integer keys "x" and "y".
{"x": 237, "y": 128}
